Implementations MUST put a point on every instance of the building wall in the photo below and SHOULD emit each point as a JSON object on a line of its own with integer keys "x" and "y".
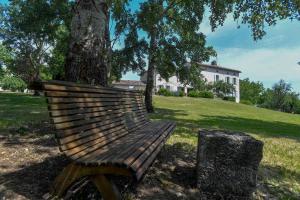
{"x": 210, "y": 74}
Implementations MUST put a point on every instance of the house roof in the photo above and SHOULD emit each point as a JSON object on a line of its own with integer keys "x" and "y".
{"x": 129, "y": 82}
{"x": 219, "y": 67}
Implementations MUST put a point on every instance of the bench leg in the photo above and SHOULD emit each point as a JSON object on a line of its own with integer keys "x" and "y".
{"x": 108, "y": 190}
{"x": 73, "y": 173}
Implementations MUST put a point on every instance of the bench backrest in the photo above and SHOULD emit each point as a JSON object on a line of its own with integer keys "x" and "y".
{"x": 90, "y": 117}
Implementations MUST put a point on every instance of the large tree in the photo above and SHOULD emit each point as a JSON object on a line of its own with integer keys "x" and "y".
{"x": 87, "y": 58}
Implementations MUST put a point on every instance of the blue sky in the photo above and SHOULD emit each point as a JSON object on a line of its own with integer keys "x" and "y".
{"x": 268, "y": 60}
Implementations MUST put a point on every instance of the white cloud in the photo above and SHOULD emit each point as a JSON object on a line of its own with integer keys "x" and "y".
{"x": 265, "y": 65}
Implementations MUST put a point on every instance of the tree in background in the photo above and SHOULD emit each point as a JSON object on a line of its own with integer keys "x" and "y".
{"x": 223, "y": 89}
{"x": 281, "y": 98}
{"x": 291, "y": 103}
{"x": 169, "y": 32}
{"x": 191, "y": 75}
{"x": 280, "y": 92}
{"x": 251, "y": 91}
{"x": 5, "y": 59}
{"x": 28, "y": 30}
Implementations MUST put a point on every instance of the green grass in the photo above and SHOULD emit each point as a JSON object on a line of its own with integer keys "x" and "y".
{"x": 19, "y": 109}
{"x": 280, "y": 132}
{"x": 280, "y": 168}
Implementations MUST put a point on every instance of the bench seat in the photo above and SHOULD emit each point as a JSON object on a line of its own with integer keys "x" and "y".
{"x": 135, "y": 151}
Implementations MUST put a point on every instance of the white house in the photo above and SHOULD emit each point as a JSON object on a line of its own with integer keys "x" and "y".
{"x": 211, "y": 74}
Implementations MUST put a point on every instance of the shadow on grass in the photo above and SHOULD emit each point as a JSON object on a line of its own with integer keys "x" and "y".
{"x": 32, "y": 181}
{"x": 259, "y": 127}
{"x": 273, "y": 178}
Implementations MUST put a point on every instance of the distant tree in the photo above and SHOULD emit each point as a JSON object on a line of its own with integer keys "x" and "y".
{"x": 291, "y": 103}
{"x": 191, "y": 75}
{"x": 13, "y": 83}
{"x": 251, "y": 91}
{"x": 281, "y": 91}
{"x": 5, "y": 59}
{"x": 281, "y": 97}
{"x": 28, "y": 30}
{"x": 222, "y": 88}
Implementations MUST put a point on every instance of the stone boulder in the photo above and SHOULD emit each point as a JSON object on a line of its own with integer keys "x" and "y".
{"x": 227, "y": 164}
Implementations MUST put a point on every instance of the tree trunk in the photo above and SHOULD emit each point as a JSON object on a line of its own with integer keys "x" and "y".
{"x": 87, "y": 58}
{"x": 150, "y": 74}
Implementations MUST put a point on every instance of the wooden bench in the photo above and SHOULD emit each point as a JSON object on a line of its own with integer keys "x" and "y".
{"x": 104, "y": 131}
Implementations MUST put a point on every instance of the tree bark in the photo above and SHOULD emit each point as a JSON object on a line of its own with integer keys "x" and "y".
{"x": 150, "y": 73}
{"x": 87, "y": 58}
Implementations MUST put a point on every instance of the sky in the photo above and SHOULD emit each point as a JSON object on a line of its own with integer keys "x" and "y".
{"x": 274, "y": 57}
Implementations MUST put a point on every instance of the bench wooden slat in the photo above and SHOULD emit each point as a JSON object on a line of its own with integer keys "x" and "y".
{"x": 70, "y": 112}
{"x": 130, "y": 158}
{"x": 81, "y": 151}
{"x": 104, "y": 125}
{"x": 91, "y": 137}
{"x": 82, "y": 115}
{"x": 99, "y": 155}
{"x": 71, "y": 124}
{"x": 87, "y": 105}
{"x": 96, "y": 131}
{"x": 139, "y": 173}
{"x": 128, "y": 147}
{"x": 121, "y": 155}
{"x": 95, "y": 154}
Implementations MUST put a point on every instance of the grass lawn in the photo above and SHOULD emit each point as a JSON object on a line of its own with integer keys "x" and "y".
{"x": 280, "y": 132}
{"x": 19, "y": 109}
{"x": 280, "y": 168}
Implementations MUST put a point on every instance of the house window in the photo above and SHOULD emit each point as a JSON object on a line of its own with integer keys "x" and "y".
{"x": 168, "y": 88}
{"x": 234, "y": 81}
{"x": 217, "y": 78}
{"x": 160, "y": 86}
{"x": 159, "y": 78}
{"x": 227, "y": 79}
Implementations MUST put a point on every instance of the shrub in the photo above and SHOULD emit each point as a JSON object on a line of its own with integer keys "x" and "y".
{"x": 13, "y": 83}
{"x": 193, "y": 93}
{"x": 164, "y": 92}
{"x": 246, "y": 102}
{"x": 206, "y": 94}
{"x": 180, "y": 93}
{"x": 202, "y": 94}
{"x": 228, "y": 98}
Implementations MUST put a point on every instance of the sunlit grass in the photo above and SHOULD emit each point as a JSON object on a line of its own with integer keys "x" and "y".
{"x": 280, "y": 168}
{"x": 18, "y": 109}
